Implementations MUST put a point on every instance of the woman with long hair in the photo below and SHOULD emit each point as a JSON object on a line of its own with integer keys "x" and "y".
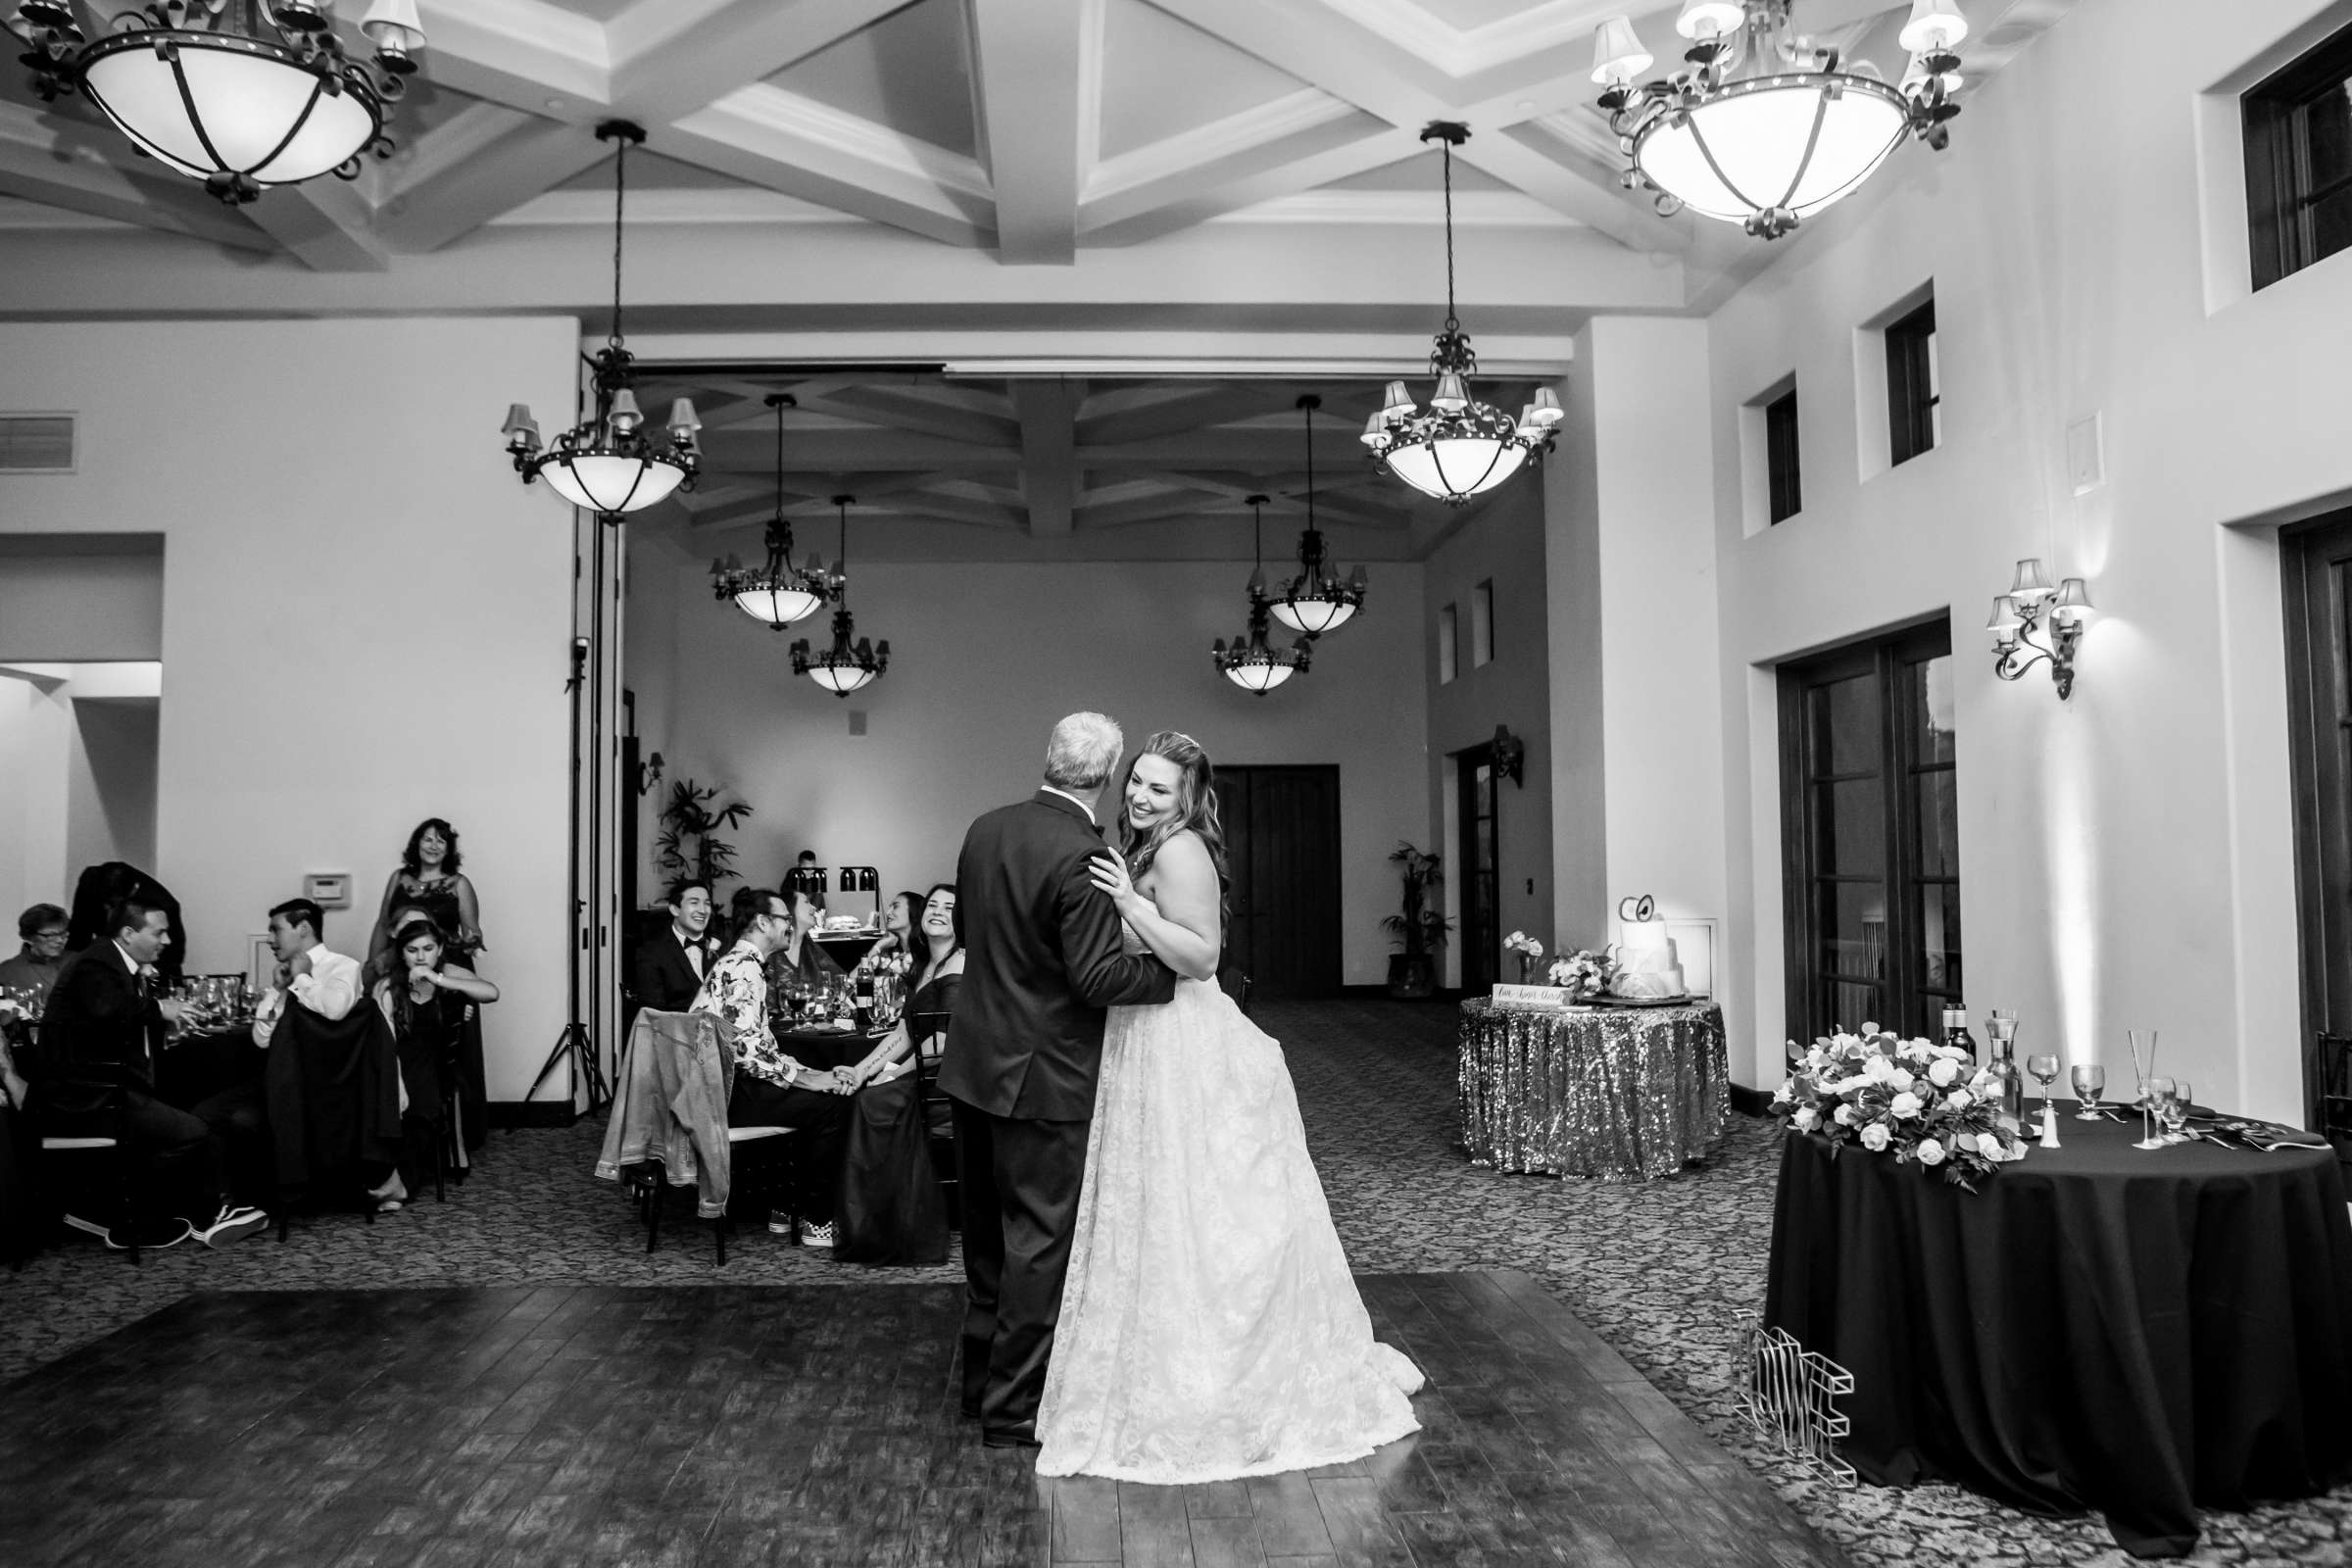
{"x": 427, "y": 998}
{"x": 1210, "y": 1327}
{"x": 892, "y": 1210}
{"x": 428, "y": 877}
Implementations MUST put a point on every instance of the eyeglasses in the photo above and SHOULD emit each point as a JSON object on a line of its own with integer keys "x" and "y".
{"x": 49, "y": 936}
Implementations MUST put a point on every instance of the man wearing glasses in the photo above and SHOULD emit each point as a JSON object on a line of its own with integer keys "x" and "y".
{"x": 42, "y": 929}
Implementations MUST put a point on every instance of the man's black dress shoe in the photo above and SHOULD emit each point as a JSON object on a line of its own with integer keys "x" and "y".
{"x": 1023, "y": 1435}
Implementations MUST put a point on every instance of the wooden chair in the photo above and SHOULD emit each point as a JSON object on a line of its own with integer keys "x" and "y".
{"x": 938, "y": 1120}
{"x": 123, "y": 1178}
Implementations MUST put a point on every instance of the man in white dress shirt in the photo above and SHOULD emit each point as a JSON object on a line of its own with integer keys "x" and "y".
{"x": 308, "y": 972}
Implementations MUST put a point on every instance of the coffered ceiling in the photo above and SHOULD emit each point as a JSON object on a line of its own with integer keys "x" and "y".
{"x": 1063, "y": 193}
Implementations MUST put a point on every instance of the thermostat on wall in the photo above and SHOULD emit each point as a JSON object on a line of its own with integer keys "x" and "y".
{"x": 329, "y": 890}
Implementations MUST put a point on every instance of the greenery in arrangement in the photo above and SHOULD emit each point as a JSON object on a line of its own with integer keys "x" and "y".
{"x": 690, "y": 849}
{"x": 1419, "y": 926}
{"x": 1917, "y": 1100}
{"x": 1583, "y": 974}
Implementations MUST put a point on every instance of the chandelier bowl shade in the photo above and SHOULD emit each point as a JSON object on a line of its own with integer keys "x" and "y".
{"x": 1455, "y": 467}
{"x": 1793, "y": 143}
{"x": 216, "y": 104}
{"x": 1252, "y": 675}
{"x": 778, "y": 606}
{"x": 611, "y": 482}
{"x": 842, "y": 679}
{"x": 1312, "y": 613}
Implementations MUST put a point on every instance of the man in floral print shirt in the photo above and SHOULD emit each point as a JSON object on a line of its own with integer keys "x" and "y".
{"x": 771, "y": 1089}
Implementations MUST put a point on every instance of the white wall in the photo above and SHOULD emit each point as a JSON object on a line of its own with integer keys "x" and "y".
{"x": 2125, "y": 856}
{"x": 984, "y": 659}
{"x": 365, "y": 616}
{"x": 110, "y": 781}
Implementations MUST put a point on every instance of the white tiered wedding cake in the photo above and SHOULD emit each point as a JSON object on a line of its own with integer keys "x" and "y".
{"x": 1648, "y": 969}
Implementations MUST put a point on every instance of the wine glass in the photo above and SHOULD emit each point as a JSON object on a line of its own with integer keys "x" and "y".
{"x": 2157, "y": 1092}
{"x": 2175, "y": 1113}
{"x": 2143, "y": 1057}
{"x": 2045, "y": 1073}
{"x": 2090, "y": 1079}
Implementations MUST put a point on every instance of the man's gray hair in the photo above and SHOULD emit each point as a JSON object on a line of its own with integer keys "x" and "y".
{"x": 1085, "y": 748}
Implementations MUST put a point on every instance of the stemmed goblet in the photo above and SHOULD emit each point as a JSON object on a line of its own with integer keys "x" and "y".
{"x": 2045, "y": 1073}
{"x": 2159, "y": 1091}
{"x": 2175, "y": 1113}
{"x": 2090, "y": 1079}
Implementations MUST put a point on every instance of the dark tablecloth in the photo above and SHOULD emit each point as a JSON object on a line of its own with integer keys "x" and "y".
{"x": 1624, "y": 1094}
{"x": 825, "y": 1049}
{"x": 2098, "y": 1327}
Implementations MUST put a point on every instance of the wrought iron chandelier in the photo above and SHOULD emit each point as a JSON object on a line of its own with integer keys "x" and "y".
{"x": 843, "y": 668}
{"x": 1765, "y": 126}
{"x": 1252, "y": 663}
{"x": 1458, "y": 447}
{"x": 779, "y": 593}
{"x": 241, "y": 94}
{"x": 1317, "y": 599}
{"x": 611, "y": 462}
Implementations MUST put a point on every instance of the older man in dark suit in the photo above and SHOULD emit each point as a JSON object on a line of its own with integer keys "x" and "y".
{"x": 96, "y": 1076}
{"x": 667, "y": 970}
{"x": 1042, "y": 963}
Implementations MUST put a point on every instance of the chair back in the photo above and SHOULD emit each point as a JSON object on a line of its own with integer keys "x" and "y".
{"x": 333, "y": 1092}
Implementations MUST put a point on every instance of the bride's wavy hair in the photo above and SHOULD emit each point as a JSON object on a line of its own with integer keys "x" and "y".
{"x": 1196, "y": 804}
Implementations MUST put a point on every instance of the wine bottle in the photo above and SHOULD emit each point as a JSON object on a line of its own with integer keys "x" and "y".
{"x": 1955, "y": 1030}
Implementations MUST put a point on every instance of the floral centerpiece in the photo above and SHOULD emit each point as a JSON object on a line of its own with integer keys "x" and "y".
{"x": 1922, "y": 1102}
{"x": 1583, "y": 975}
{"x": 1529, "y": 949}
{"x": 894, "y": 962}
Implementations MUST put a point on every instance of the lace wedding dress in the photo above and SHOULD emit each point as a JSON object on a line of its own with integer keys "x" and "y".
{"x": 1210, "y": 1327}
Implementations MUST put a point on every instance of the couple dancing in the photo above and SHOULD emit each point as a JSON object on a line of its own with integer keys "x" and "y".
{"x": 1155, "y": 1292}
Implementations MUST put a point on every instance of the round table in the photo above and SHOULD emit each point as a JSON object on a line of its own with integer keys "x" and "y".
{"x": 2136, "y": 1331}
{"x": 1624, "y": 1094}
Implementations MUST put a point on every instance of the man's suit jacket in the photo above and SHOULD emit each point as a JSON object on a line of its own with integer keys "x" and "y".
{"x": 662, "y": 977}
{"x": 98, "y": 1036}
{"x": 1042, "y": 961}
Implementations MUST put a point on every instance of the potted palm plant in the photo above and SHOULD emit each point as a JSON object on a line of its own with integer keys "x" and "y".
{"x": 1418, "y": 927}
{"x": 690, "y": 849}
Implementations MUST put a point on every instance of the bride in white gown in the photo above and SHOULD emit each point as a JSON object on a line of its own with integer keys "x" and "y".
{"x": 1210, "y": 1327}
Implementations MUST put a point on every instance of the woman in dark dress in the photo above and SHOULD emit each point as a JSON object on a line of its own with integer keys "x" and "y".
{"x": 891, "y": 1207}
{"x": 428, "y": 1000}
{"x": 428, "y": 879}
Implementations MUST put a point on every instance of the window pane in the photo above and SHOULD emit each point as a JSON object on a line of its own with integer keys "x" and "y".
{"x": 1939, "y": 937}
{"x": 2327, "y": 122}
{"x": 1852, "y": 921}
{"x": 1938, "y": 824}
{"x": 1852, "y": 1006}
{"x": 1849, "y": 831}
{"x": 1931, "y": 705}
{"x": 1482, "y": 624}
{"x": 1448, "y": 650}
{"x": 1845, "y": 724}
{"x": 2331, "y": 223}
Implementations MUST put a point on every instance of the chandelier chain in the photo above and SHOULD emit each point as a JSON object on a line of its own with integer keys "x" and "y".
{"x": 1309, "y": 410}
{"x": 1452, "y": 321}
{"x": 620, "y": 188}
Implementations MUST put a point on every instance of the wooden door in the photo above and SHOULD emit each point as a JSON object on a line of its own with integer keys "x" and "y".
{"x": 1281, "y": 850}
{"x": 2316, "y": 562}
{"x": 1477, "y": 859}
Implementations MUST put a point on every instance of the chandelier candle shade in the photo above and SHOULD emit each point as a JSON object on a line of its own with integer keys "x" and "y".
{"x": 779, "y": 593}
{"x": 2020, "y": 613}
{"x": 241, "y": 94}
{"x": 1457, "y": 447}
{"x": 845, "y": 666}
{"x": 1317, "y": 599}
{"x": 1764, "y": 126}
{"x": 611, "y": 462}
{"x": 1253, "y": 663}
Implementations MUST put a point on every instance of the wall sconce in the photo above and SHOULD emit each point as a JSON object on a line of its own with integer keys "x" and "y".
{"x": 1510, "y": 756}
{"x": 2019, "y": 614}
{"x": 649, "y": 773}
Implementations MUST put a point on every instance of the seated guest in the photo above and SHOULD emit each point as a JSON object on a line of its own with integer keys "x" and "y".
{"x": 96, "y": 1077}
{"x": 801, "y": 956}
{"x": 43, "y": 930}
{"x": 930, "y": 987}
{"x": 771, "y": 1089}
{"x": 428, "y": 878}
{"x": 891, "y": 1207}
{"x": 897, "y": 936}
{"x": 667, "y": 970}
{"x": 101, "y": 889}
{"x": 308, "y": 972}
{"x": 426, "y": 1006}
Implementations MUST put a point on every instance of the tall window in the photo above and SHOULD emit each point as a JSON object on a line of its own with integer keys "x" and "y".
{"x": 1482, "y": 624}
{"x": 1785, "y": 491}
{"x": 1449, "y": 648}
{"x": 2299, "y": 161}
{"x": 1869, "y": 835}
{"x": 1914, "y": 388}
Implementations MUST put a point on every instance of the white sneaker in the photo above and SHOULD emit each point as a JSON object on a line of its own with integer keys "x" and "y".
{"x": 815, "y": 1235}
{"x": 234, "y": 1225}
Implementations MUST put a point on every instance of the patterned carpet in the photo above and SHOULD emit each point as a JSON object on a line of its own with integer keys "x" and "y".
{"x": 1656, "y": 1269}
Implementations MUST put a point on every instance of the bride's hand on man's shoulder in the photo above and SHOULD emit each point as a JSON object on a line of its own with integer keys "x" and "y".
{"x": 1109, "y": 869}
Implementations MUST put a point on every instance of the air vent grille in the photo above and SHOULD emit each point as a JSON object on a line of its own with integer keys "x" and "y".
{"x": 36, "y": 443}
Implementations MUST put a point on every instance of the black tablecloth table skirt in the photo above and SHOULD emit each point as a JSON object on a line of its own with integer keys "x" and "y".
{"x": 2097, "y": 1327}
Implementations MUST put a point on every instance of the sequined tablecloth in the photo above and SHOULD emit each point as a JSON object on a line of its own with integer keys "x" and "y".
{"x": 1624, "y": 1094}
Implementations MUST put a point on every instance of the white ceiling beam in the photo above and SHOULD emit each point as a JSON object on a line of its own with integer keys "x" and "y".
{"x": 955, "y": 508}
{"x": 1037, "y": 71}
{"x": 483, "y": 160}
{"x": 326, "y": 223}
{"x": 878, "y": 406}
{"x": 672, "y": 57}
{"x": 60, "y": 163}
{"x": 784, "y": 142}
{"x": 520, "y": 53}
{"x": 1218, "y": 403}
{"x": 1047, "y": 411}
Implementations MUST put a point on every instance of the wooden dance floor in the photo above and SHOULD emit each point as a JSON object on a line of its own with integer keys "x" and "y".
{"x": 732, "y": 1425}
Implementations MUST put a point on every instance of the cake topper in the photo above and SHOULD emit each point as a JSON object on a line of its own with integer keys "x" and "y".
{"x": 1637, "y": 907}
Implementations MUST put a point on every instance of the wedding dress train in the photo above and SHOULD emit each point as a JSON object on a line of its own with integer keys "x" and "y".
{"x": 1210, "y": 1327}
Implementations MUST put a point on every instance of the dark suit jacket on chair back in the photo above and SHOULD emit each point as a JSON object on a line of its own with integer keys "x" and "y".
{"x": 1042, "y": 961}
{"x": 97, "y": 1037}
{"x": 333, "y": 1090}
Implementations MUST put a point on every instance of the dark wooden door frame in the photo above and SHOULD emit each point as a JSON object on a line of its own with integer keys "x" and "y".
{"x": 2321, "y": 914}
{"x": 1245, "y": 899}
{"x": 1466, "y": 763}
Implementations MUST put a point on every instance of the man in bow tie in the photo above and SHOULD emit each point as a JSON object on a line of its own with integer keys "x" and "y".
{"x": 669, "y": 969}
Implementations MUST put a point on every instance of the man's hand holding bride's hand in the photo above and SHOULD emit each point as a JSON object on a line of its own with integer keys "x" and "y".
{"x": 1108, "y": 869}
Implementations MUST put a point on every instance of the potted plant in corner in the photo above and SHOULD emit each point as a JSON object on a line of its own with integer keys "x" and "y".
{"x": 690, "y": 849}
{"x": 1418, "y": 927}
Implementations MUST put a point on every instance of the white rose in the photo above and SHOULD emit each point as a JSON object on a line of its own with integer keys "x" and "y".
{"x": 1958, "y": 1100}
{"x": 1807, "y": 1119}
{"x": 1942, "y": 1072}
{"x": 1843, "y": 1115}
{"x": 1902, "y": 1080}
{"x": 1870, "y": 1029}
{"x": 1930, "y": 1151}
{"x": 1905, "y": 1105}
{"x": 1874, "y": 1136}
